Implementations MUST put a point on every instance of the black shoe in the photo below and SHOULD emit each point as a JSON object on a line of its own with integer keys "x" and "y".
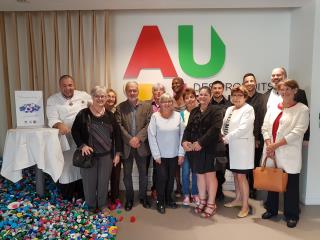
{"x": 268, "y": 215}
{"x": 160, "y": 208}
{"x": 172, "y": 205}
{"x": 291, "y": 223}
{"x": 128, "y": 206}
{"x": 220, "y": 197}
{"x": 253, "y": 194}
{"x": 145, "y": 203}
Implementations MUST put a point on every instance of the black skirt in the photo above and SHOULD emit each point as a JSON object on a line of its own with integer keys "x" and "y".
{"x": 201, "y": 162}
{"x": 241, "y": 171}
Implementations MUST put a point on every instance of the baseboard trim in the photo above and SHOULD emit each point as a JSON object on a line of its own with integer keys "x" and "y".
{"x": 311, "y": 199}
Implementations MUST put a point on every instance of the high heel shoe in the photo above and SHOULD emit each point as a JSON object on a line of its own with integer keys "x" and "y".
{"x": 209, "y": 210}
{"x": 199, "y": 209}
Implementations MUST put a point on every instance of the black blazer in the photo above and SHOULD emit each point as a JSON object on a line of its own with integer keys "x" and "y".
{"x": 209, "y": 131}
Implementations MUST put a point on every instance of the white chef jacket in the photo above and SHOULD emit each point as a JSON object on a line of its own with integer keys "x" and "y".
{"x": 60, "y": 109}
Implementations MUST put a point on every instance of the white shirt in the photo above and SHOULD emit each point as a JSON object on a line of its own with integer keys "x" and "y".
{"x": 274, "y": 98}
{"x": 60, "y": 109}
{"x": 165, "y": 135}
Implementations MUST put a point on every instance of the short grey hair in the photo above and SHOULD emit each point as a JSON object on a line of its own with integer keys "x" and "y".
{"x": 98, "y": 90}
{"x": 158, "y": 86}
{"x": 130, "y": 82}
{"x": 166, "y": 97}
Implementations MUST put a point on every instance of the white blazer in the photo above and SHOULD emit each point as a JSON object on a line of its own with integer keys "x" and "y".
{"x": 293, "y": 124}
{"x": 240, "y": 137}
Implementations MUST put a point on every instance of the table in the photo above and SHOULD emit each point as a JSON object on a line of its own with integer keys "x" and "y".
{"x": 26, "y": 147}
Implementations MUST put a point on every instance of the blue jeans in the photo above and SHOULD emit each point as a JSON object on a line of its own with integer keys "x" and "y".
{"x": 186, "y": 170}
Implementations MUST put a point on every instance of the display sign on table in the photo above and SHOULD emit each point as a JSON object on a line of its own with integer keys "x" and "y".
{"x": 29, "y": 108}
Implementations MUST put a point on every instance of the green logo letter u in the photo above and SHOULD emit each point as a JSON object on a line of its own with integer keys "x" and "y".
{"x": 188, "y": 65}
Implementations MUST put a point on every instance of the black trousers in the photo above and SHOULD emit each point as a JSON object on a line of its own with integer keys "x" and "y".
{"x": 257, "y": 159}
{"x": 165, "y": 178}
{"x": 221, "y": 179}
{"x": 115, "y": 181}
{"x": 71, "y": 190}
{"x": 143, "y": 175}
{"x": 154, "y": 172}
{"x": 291, "y": 199}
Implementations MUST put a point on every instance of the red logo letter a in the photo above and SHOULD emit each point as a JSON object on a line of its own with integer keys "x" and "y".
{"x": 150, "y": 52}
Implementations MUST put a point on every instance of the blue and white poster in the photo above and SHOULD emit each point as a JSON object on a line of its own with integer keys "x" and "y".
{"x": 29, "y": 108}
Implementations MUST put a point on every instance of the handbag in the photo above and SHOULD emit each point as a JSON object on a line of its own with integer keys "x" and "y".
{"x": 271, "y": 179}
{"x": 83, "y": 161}
{"x": 221, "y": 160}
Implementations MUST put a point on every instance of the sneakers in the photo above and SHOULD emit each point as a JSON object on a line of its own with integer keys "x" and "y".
{"x": 186, "y": 201}
{"x": 196, "y": 199}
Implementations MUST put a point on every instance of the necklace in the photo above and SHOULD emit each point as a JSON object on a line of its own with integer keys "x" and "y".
{"x": 98, "y": 113}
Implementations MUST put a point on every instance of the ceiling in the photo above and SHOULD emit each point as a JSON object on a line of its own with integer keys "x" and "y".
{"x": 43, "y": 5}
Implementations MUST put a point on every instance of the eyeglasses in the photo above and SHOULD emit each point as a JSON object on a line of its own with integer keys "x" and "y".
{"x": 100, "y": 96}
{"x": 237, "y": 95}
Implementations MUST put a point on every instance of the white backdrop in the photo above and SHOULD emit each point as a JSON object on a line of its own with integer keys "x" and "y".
{"x": 256, "y": 41}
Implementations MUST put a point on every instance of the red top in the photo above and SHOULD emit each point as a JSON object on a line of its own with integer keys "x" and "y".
{"x": 277, "y": 122}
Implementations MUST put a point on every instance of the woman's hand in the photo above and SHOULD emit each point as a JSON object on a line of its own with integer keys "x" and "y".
{"x": 116, "y": 159}
{"x": 187, "y": 146}
{"x": 86, "y": 150}
{"x": 271, "y": 148}
{"x": 196, "y": 146}
{"x": 180, "y": 160}
{"x": 158, "y": 161}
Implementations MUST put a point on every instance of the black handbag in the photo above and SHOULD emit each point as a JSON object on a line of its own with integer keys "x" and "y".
{"x": 220, "y": 160}
{"x": 83, "y": 161}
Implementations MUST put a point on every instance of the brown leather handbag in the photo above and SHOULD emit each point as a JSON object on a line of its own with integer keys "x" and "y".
{"x": 270, "y": 178}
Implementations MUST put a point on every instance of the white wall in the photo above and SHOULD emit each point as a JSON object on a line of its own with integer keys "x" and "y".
{"x": 313, "y": 166}
{"x": 256, "y": 41}
{"x": 300, "y": 66}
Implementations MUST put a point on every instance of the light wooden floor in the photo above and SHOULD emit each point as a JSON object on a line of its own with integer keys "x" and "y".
{"x": 183, "y": 224}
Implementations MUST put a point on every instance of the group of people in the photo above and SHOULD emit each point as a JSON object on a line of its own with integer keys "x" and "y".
{"x": 183, "y": 132}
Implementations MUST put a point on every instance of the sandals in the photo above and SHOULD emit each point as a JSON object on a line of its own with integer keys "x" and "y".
{"x": 209, "y": 210}
{"x": 200, "y": 208}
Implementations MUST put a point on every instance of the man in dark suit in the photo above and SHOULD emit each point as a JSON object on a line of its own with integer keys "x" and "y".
{"x": 273, "y": 97}
{"x": 256, "y": 100}
{"x": 133, "y": 117}
{"x": 217, "y": 89}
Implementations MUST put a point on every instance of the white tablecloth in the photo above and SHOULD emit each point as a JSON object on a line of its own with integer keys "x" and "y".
{"x": 27, "y": 147}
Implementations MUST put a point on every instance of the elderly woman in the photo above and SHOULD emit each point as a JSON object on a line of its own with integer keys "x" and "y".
{"x": 190, "y": 99}
{"x": 165, "y": 131}
{"x": 237, "y": 131}
{"x": 111, "y": 100}
{"x": 96, "y": 132}
{"x": 200, "y": 139}
{"x": 283, "y": 129}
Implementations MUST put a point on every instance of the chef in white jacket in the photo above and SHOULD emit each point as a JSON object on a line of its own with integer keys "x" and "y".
{"x": 62, "y": 109}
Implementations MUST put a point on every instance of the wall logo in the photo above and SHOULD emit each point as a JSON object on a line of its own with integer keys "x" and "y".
{"x": 151, "y": 52}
